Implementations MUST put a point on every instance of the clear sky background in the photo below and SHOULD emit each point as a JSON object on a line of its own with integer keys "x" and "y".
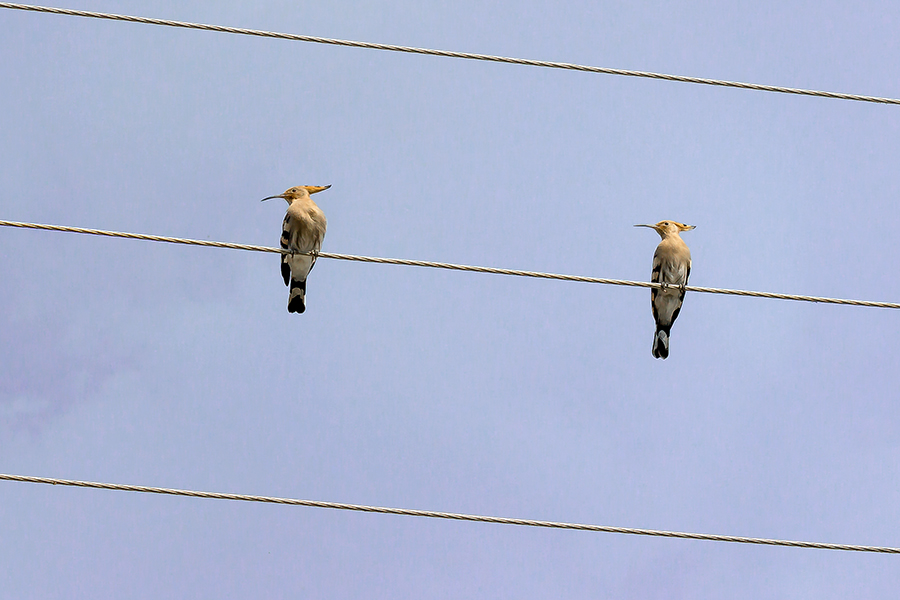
{"x": 135, "y": 362}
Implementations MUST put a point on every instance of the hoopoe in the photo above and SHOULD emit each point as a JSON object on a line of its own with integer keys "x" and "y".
{"x": 671, "y": 266}
{"x": 302, "y": 231}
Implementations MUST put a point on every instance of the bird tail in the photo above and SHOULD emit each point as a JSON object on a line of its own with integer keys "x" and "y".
{"x": 661, "y": 343}
{"x": 297, "y": 299}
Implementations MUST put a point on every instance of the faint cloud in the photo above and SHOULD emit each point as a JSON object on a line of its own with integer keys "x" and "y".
{"x": 48, "y": 366}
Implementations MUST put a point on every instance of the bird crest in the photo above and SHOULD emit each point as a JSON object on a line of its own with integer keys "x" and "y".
{"x": 666, "y": 228}
{"x": 298, "y": 191}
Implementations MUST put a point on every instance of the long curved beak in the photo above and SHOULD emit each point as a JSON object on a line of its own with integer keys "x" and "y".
{"x": 315, "y": 189}
{"x": 270, "y": 197}
{"x": 650, "y": 226}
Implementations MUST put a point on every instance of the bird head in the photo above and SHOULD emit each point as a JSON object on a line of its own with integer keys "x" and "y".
{"x": 664, "y": 228}
{"x": 298, "y": 191}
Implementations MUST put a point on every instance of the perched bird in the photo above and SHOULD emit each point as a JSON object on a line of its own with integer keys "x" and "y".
{"x": 302, "y": 231}
{"x": 671, "y": 266}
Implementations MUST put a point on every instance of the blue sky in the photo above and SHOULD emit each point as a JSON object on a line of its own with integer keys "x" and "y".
{"x": 143, "y": 363}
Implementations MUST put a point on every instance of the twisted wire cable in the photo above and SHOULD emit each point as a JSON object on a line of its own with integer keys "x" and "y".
{"x": 452, "y": 516}
{"x": 450, "y": 266}
{"x": 447, "y": 53}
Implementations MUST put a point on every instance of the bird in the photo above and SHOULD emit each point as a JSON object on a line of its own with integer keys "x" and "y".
{"x": 671, "y": 267}
{"x": 303, "y": 230}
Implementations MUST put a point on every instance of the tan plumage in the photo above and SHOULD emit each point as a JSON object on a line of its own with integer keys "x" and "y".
{"x": 672, "y": 267}
{"x": 303, "y": 230}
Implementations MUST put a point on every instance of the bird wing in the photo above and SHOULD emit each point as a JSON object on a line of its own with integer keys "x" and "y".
{"x": 669, "y": 302}
{"x": 655, "y": 277}
{"x": 285, "y": 245}
{"x": 677, "y": 311}
{"x": 318, "y": 233}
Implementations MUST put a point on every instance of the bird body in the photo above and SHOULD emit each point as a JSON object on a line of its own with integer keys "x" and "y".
{"x": 671, "y": 267}
{"x": 302, "y": 231}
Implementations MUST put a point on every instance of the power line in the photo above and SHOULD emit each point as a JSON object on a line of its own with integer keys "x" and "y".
{"x": 453, "y": 516}
{"x": 450, "y": 266}
{"x": 448, "y": 54}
